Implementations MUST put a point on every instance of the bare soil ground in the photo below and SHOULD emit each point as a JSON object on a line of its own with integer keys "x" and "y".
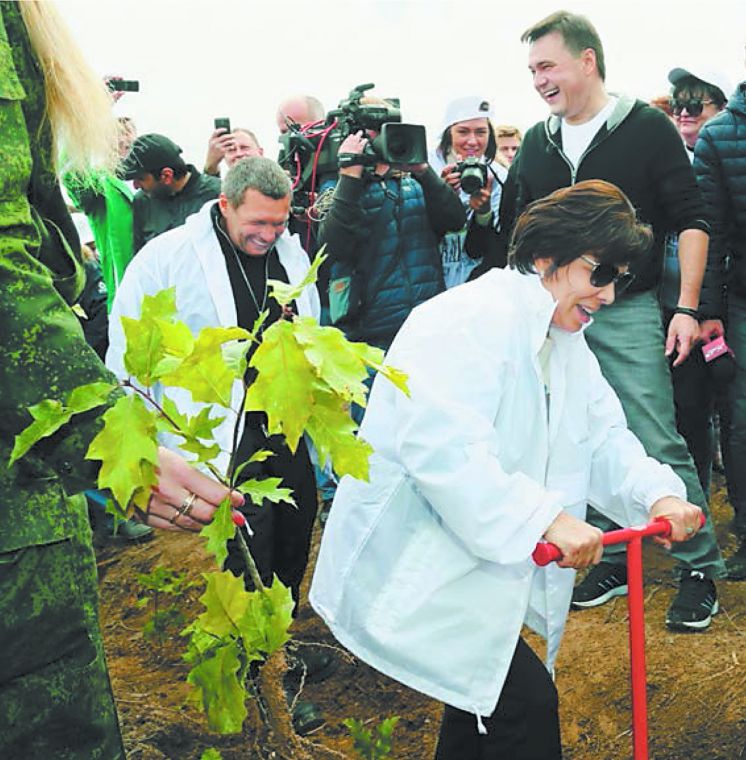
{"x": 696, "y": 682}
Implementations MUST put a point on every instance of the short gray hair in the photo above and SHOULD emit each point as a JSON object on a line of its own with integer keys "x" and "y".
{"x": 255, "y": 173}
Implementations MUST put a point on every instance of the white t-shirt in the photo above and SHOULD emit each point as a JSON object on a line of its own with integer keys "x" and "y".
{"x": 577, "y": 137}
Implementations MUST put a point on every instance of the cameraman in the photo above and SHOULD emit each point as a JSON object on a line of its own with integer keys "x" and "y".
{"x": 467, "y": 144}
{"x": 383, "y": 229}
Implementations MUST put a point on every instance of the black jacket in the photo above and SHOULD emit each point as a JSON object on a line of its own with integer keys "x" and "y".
{"x": 151, "y": 216}
{"x": 640, "y": 151}
{"x": 394, "y": 253}
{"x": 720, "y": 166}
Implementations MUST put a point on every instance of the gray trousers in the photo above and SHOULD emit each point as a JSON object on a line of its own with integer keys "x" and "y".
{"x": 628, "y": 341}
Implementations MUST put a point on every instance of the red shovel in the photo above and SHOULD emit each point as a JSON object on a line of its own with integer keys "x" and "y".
{"x": 546, "y": 553}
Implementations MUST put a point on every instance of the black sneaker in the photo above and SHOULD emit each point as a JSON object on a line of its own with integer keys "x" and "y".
{"x": 603, "y": 582}
{"x": 694, "y": 604}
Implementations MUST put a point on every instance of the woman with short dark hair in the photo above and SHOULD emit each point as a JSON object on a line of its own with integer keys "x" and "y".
{"x": 425, "y": 571}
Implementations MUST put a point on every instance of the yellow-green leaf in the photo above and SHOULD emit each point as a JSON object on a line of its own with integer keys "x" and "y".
{"x": 333, "y": 433}
{"x": 266, "y": 622}
{"x": 225, "y": 600}
{"x": 268, "y": 488}
{"x": 284, "y": 293}
{"x": 204, "y": 371}
{"x": 283, "y": 386}
{"x": 219, "y": 531}
{"x": 223, "y": 697}
{"x": 127, "y": 448}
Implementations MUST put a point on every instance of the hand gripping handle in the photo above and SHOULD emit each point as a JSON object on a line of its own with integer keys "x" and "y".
{"x": 544, "y": 553}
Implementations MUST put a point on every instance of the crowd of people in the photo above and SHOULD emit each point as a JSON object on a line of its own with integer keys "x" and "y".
{"x": 573, "y": 330}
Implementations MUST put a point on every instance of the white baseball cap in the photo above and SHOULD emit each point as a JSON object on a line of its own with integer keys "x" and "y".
{"x": 466, "y": 108}
{"x": 707, "y": 74}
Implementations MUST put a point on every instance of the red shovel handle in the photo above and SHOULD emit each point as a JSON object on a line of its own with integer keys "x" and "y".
{"x": 544, "y": 553}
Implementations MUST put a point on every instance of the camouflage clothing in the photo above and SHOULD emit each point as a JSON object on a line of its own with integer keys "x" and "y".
{"x": 52, "y": 673}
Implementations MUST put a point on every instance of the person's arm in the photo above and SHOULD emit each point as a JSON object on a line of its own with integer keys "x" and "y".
{"x": 672, "y": 177}
{"x": 445, "y": 212}
{"x": 138, "y": 221}
{"x": 344, "y": 229}
{"x": 709, "y": 173}
{"x": 683, "y": 329}
{"x": 218, "y": 143}
{"x": 627, "y": 485}
{"x": 446, "y": 439}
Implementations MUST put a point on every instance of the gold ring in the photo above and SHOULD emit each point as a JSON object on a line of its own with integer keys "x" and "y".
{"x": 186, "y": 506}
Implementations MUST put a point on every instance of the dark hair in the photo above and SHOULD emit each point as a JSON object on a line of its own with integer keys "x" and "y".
{"x": 592, "y": 218}
{"x": 695, "y": 88}
{"x": 577, "y": 32}
{"x": 490, "y": 151}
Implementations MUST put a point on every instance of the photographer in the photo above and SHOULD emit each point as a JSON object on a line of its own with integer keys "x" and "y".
{"x": 382, "y": 232}
{"x": 467, "y": 151}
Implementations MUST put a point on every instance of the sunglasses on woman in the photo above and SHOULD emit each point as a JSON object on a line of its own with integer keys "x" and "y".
{"x": 693, "y": 107}
{"x": 604, "y": 274}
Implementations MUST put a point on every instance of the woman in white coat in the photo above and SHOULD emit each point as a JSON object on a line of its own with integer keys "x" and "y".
{"x": 425, "y": 572}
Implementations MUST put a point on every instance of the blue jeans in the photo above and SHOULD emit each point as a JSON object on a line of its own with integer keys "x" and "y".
{"x": 627, "y": 339}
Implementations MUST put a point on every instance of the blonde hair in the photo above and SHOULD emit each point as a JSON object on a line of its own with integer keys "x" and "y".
{"x": 78, "y": 106}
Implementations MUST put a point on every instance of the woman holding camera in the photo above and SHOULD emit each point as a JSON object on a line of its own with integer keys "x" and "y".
{"x": 425, "y": 571}
{"x": 465, "y": 159}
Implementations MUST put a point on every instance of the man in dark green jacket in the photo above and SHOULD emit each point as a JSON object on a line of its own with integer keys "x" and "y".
{"x": 169, "y": 189}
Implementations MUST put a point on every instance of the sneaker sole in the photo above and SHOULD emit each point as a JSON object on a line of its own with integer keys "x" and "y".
{"x": 694, "y": 625}
{"x": 599, "y": 600}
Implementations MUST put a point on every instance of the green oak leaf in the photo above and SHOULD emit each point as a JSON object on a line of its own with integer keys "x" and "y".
{"x": 127, "y": 448}
{"x": 284, "y": 383}
{"x": 211, "y": 754}
{"x": 267, "y": 488}
{"x": 175, "y": 421}
{"x": 219, "y": 531}
{"x": 334, "y": 358}
{"x": 258, "y": 456}
{"x": 202, "y": 452}
{"x": 201, "y": 425}
{"x": 226, "y": 601}
{"x": 265, "y": 624}
{"x": 333, "y": 433}
{"x": 144, "y": 336}
{"x": 87, "y": 397}
{"x": 284, "y": 293}
{"x": 218, "y": 687}
{"x": 204, "y": 371}
{"x": 50, "y": 415}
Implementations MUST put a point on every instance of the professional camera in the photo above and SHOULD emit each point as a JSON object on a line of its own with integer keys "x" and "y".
{"x": 473, "y": 174}
{"x": 311, "y": 151}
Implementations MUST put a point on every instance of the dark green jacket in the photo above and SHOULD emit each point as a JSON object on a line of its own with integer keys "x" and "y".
{"x": 42, "y": 353}
{"x": 153, "y": 216}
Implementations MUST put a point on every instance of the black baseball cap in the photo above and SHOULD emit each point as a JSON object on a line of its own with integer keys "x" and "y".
{"x": 151, "y": 153}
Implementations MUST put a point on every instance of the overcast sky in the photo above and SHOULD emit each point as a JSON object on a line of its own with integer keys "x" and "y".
{"x": 198, "y": 59}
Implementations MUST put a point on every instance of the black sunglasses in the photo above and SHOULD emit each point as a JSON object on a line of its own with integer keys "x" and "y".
{"x": 604, "y": 274}
{"x": 693, "y": 107}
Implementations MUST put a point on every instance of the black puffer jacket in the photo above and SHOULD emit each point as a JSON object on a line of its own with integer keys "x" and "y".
{"x": 720, "y": 166}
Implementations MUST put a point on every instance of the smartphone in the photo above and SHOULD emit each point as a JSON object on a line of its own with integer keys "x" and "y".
{"x": 223, "y": 123}
{"x": 124, "y": 85}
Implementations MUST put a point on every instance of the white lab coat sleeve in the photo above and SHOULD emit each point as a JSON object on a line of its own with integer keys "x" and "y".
{"x": 445, "y": 439}
{"x": 625, "y": 482}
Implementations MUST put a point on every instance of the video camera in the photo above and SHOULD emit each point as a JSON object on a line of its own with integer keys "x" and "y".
{"x": 312, "y": 150}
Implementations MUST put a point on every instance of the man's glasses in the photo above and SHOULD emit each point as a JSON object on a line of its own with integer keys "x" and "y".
{"x": 604, "y": 274}
{"x": 693, "y": 107}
